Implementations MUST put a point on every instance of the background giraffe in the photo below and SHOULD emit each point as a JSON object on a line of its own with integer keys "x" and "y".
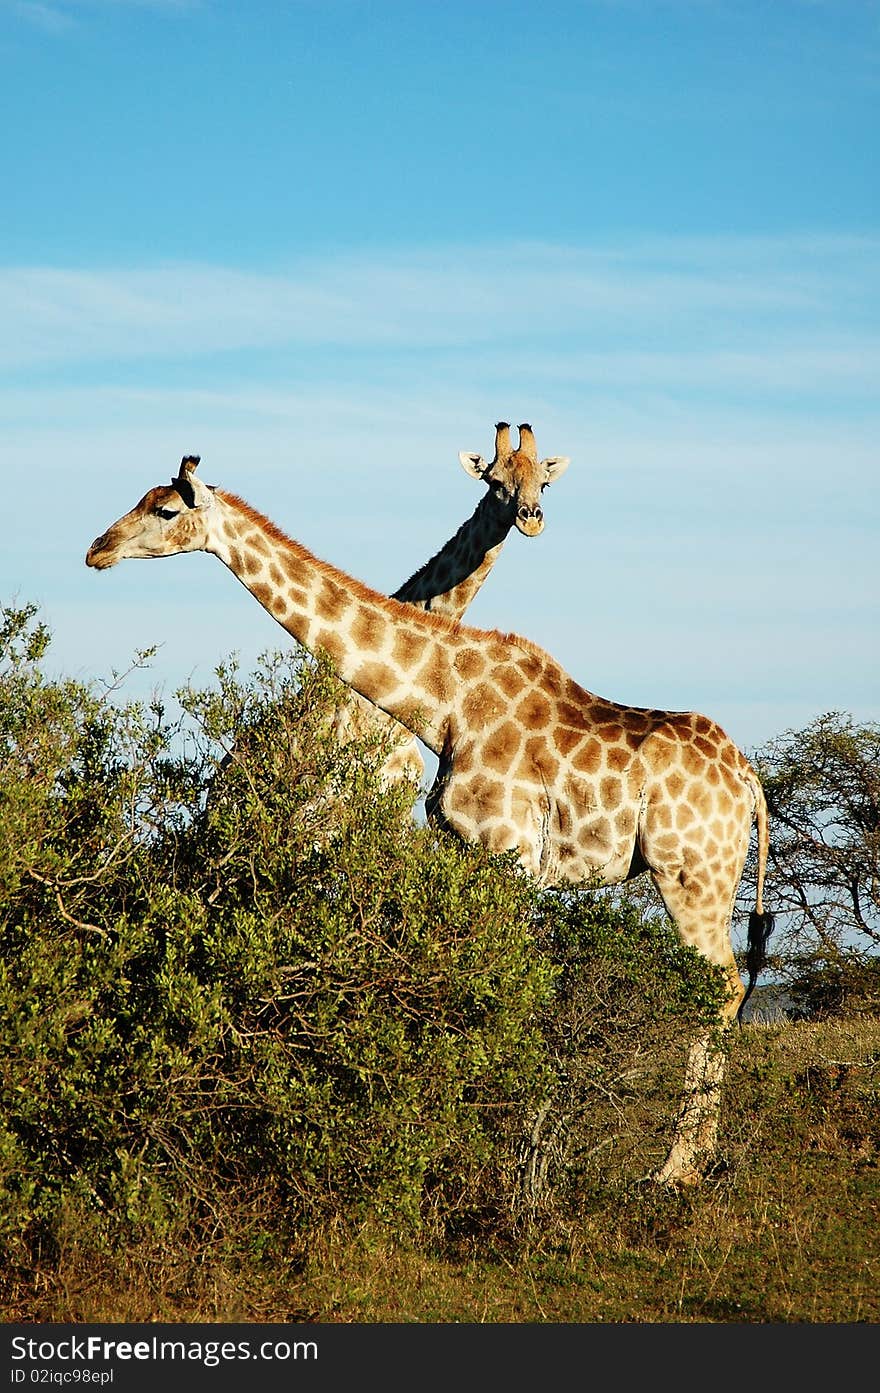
{"x": 582, "y": 788}
{"x": 449, "y": 581}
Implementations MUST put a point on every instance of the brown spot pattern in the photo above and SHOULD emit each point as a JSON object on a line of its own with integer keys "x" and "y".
{"x": 485, "y": 794}
{"x": 435, "y": 677}
{"x": 469, "y": 663}
{"x": 482, "y": 706}
{"x": 376, "y": 679}
{"x": 588, "y": 760}
{"x": 611, "y": 791}
{"x": 331, "y": 602}
{"x": 538, "y": 762}
{"x": 333, "y": 645}
{"x": 534, "y": 711}
{"x": 565, "y": 739}
{"x": 408, "y": 648}
{"x": 501, "y": 745}
{"x": 618, "y": 758}
{"x": 368, "y": 629}
{"x": 569, "y": 714}
{"x": 510, "y": 681}
{"x": 675, "y": 783}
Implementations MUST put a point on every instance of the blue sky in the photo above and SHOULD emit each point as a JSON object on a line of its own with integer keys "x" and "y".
{"x": 327, "y": 244}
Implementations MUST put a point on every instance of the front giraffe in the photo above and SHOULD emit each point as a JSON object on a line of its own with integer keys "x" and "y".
{"x": 449, "y": 581}
{"x": 580, "y": 787}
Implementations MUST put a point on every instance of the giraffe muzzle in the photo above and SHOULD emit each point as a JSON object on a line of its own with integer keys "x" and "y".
{"x": 530, "y": 521}
{"x": 98, "y": 555}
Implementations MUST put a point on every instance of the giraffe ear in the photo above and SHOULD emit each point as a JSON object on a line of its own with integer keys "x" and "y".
{"x": 554, "y": 466}
{"x": 474, "y": 465}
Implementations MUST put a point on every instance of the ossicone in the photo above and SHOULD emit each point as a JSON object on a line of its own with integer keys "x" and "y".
{"x": 502, "y": 440}
{"x": 527, "y": 441}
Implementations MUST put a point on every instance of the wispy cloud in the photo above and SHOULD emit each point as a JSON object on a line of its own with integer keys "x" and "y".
{"x": 647, "y": 308}
{"x": 853, "y": 366}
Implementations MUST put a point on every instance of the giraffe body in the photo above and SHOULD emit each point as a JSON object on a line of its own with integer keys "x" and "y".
{"x": 580, "y": 787}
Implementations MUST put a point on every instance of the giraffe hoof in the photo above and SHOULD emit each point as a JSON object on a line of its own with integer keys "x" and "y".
{"x": 677, "y": 1173}
{"x": 686, "y": 1178}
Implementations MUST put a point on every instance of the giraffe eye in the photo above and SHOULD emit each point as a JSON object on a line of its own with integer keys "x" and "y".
{"x": 166, "y": 513}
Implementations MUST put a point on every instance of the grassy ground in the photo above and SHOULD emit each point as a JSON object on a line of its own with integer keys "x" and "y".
{"x": 787, "y": 1229}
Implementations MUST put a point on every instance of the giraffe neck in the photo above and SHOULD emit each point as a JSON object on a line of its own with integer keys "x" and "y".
{"x": 449, "y": 581}
{"x": 397, "y": 658}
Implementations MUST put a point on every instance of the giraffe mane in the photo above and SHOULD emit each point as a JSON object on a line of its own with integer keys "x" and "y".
{"x": 441, "y": 623}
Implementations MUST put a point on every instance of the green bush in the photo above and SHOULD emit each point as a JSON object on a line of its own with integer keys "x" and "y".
{"x": 210, "y": 994}
{"x": 242, "y": 988}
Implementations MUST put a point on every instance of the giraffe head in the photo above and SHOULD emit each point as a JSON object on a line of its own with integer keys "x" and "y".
{"x": 169, "y": 519}
{"x": 517, "y": 477}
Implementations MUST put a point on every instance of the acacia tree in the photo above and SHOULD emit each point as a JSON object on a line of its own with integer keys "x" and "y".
{"x": 822, "y": 785}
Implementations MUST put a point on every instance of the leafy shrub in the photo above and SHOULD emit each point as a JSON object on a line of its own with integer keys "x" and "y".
{"x": 210, "y": 995}
{"x": 843, "y": 984}
{"x": 243, "y": 990}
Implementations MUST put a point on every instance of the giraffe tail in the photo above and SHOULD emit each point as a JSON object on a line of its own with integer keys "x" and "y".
{"x": 761, "y": 922}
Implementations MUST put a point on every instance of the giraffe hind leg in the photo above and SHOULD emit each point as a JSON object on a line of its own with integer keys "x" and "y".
{"x": 695, "y": 1138}
{"x": 702, "y": 923}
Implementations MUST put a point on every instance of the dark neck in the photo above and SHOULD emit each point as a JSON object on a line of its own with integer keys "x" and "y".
{"x": 449, "y": 581}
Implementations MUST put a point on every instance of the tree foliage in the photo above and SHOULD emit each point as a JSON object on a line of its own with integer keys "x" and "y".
{"x": 822, "y": 785}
